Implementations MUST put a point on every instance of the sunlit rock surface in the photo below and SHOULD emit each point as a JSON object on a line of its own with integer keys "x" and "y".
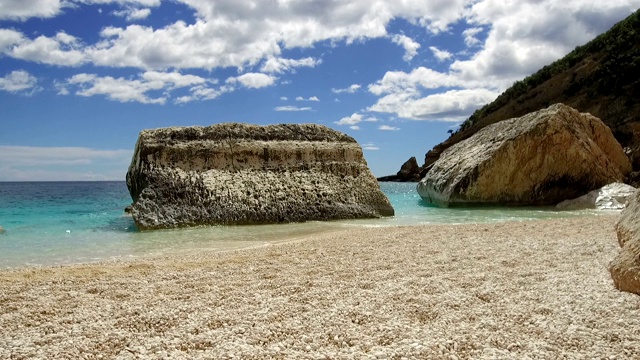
{"x": 542, "y": 158}
{"x": 248, "y": 174}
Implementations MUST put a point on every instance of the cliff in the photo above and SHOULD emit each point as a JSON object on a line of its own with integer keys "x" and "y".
{"x": 248, "y": 174}
{"x": 601, "y": 77}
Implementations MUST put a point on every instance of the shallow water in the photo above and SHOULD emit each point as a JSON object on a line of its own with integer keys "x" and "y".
{"x": 53, "y": 223}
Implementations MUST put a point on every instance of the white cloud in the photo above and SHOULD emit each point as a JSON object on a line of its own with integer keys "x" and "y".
{"x": 244, "y": 34}
{"x": 522, "y": 37}
{"x": 370, "y": 146}
{"x": 202, "y": 92}
{"x": 253, "y": 80}
{"x": 25, "y": 9}
{"x": 139, "y": 3}
{"x": 22, "y": 10}
{"x": 311, "y": 98}
{"x": 350, "y": 120}
{"x": 351, "y": 89}
{"x": 510, "y": 39}
{"x": 354, "y": 119}
{"x": 410, "y": 46}
{"x": 137, "y": 90}
{"x": 470, "y": 34}
{"x": 441, "y": 55}
{"x": 292, "y": 108}
{"x": 452, "y": 105}
{"x": 284, "y": 98}
{"x": 18, "y": 81}
{"x": 280, "y": 65}
{"x": 133, "y": 14}
{"x": 62, "y": 49}
{"x": 354, "y": 127}
{"x": 388, "y": 128}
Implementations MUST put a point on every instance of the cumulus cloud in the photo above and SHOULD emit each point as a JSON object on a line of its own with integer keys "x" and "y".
{"x": 253, "y": 80}
{"x": 354, "y": 119}
{"x": 280, "y": 65}
{"x": 138, "y": 90}
{"x": 470, "y": 36}
{"x": 61, "y": 49}
{"x": 133, "y": 14}
{"x": 292, "y": 108}
{"x": 311, "y": 98}
{"x": 452, "y": 105}
{"x": 22, "y": 10}
{"x": 506, "y": 41}
{"x": 522, "y": 37}
{"x": 18, "y": 81}
{"x": 350, "y": 120}
{"x": 350, "y": 90}
{"x": 410, "y": 46}
{"x": 240, "y": 33}
{"x": 388, "y": 128}
{"x": 441, "y": 55}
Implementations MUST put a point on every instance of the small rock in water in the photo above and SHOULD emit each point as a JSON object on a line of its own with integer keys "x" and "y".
{"x": 2, "y": 230}
{"x": 68, "y": 231}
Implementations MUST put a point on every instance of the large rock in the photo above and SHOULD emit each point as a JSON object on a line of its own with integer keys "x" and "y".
{"x": 410, "y": 171}
{"x": 614, "y": 196}
{"x": 541, "y": 158}
{"x": 625, "y": 267}
{"x": 248, "y": 174}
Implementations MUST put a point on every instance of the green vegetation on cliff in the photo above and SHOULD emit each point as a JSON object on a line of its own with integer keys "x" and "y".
{"x": 601, "y": 77}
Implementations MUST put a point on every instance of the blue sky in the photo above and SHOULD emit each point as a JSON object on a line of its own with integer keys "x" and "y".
{"x": 79, "y": 79}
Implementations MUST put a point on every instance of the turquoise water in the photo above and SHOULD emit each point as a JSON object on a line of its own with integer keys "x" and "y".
{"x": 53, "y": 223}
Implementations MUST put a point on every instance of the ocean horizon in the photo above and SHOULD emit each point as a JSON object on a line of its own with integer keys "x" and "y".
{"x": 55, "y": 223}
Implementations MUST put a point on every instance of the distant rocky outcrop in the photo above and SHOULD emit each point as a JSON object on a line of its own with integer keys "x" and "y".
{"x": 601, "y": 77}
{"x": 410, "y": 171}
{"x": 541, "y": 158}
{"x": 625, "y": 267}
{"x": 614, "y": 196}
{"x": 248, "y": 174}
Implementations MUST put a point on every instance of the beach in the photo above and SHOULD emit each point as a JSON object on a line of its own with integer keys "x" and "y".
{"x": 510, "y": 290}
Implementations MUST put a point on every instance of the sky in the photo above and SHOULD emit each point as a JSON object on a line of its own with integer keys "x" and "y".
{"x": 79, "y": 79}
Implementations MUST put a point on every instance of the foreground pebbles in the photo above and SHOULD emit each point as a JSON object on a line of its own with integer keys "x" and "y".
{"x": 534, "y": 289}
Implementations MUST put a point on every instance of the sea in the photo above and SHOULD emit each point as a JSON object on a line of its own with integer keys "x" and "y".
{"x": 58, "y": 223}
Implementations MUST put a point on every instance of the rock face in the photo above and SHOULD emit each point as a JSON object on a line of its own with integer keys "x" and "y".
{"x": 600, "y": 78}
{"x": 541, "y": 158}
{"x": 625, "y": 268}
{"x": 410, "y": 171}
{"x": 248, "y": 174}
{"x": 614, "y": 196}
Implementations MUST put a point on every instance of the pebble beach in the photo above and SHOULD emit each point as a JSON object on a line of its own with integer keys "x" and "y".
{"x": 511, "y": 290}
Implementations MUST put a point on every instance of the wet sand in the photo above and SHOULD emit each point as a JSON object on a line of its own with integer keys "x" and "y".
{"x": 531, "y": 289}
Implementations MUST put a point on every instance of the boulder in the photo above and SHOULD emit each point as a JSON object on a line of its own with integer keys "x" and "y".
{"x": 542, "y": 158}
{"x": 625, "y": 267}
{"x": 249, "y": 174}
{"x": 614, "y": 196}
{"x": 410, "y": 171}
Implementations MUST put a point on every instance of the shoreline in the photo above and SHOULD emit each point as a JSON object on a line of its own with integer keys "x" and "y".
{"x": 494, "y": 290}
